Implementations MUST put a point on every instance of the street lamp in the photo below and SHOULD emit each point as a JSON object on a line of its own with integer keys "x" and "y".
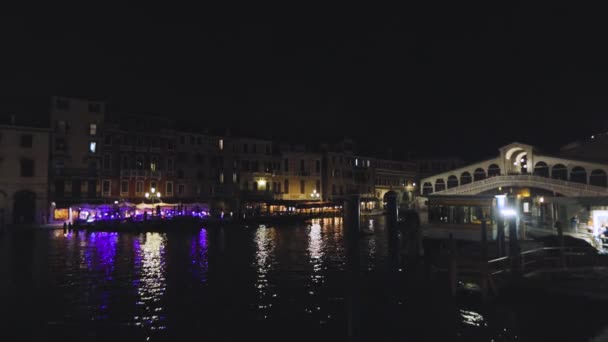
{"x": 315, "y": 194}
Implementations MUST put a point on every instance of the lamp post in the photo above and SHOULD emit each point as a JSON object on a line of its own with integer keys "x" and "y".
{"x": 154, "y": 195}
{"x": 315, "y": 194}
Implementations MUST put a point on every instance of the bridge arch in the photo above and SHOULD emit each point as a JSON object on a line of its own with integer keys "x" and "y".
{"x": 559, "y": 171}
{"x": 578, "y": 174}
{"x": 439, "y": 184}
{"x": 452, "y": 182}
{"x": 479, "y": 174}
{"x": 598, "y": 178}
{"x": 493, "y": 170}
{"x": 427, "y": 188}
{"x": 465, "y": 178}
{"x": 541, "y": 169}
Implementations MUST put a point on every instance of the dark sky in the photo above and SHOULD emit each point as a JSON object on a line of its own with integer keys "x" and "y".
{"x": 436, "y": 81}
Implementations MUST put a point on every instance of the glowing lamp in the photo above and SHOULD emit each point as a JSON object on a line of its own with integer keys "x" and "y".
{"x": 508, "y": 212}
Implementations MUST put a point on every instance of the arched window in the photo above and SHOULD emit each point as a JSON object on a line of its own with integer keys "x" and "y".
{"x": 427, "y": 188}
{"x": 598, "y": 178}
{"x": 452, "y": 182}
{"x": 465, "y": 178}
{"x": 578, "y": 175}
{"x": 559, "y": 171}
{"x": 493, "y": 170}
{"x": 439, "y": 185}
{"x": 541, "y": 169}
{"x": 479, "y": 174}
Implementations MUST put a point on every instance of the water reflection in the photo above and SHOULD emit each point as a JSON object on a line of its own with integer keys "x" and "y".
{"x": 199, "y": 256}
{"x": 150, "y": 280}
{"x": 264, "y": 264}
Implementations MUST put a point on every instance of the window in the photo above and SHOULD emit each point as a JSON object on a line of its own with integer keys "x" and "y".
{"x": 286, "y": 168}
{"x": 60, "y": 144}
{"x": 302, "y": 187}
{"x": 93, "y": 129}
{"x": 244, "y": 148}
{"x": 139, "y": 162}
{"x": 92, "y": 189}
{"x": 267, "y": 149}
{"x": 180, "y": 189}
{"x": 302, "y": 165}
{"x": 169, "y": 188}
{"x": 286, "y": 187}
{"x": 333, "y": 189}
{"x": 221, "y": 178}
{"x": 62, "y": 104}
{"x": 105, "y": 187}
{"x": 318, "y": 166}
{"x": 318, "y": 186}
{"x": 27, "y": 140}
{"x": 171, "y": 145}
{"x": 234, "y": 180}
{"x": 60, "y": 126}
{"x": 154, "y": 164}
{"x": 107, "y": 140}
{"x": 106, "y": 162}
{"x": 124, "y": 162}
{"x": 169, "y": 164}
{"x": 221, "y": 144}
{"x": 59, "y": 188}
{"x": 139, "y": 187}
{"x": 92, "y": 147}
{"x": 124, "y": 187}
{"x": 94, "y": 107}
{"x": 254, "y": 148}
{"x": 27, "y": 168}
{"x": 76, "y": 188}
{"x": 278, "y": 188}
{"x": 341, "y": 190}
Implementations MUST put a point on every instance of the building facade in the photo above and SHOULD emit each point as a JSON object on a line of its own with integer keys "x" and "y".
{"x": 23, "y": 174}
{"x": 75, "y": 151}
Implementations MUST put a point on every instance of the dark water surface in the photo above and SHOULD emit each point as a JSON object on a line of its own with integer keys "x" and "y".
{"x": 288, "y": 283}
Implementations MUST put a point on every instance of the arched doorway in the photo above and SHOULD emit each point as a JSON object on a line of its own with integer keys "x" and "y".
{"x": 24, "y": 210}
{"x": 598, "y": 178}
{"x": 541, "y": 169}
{"x": 479, "y": 174}
{"x": 493, "y": 170}
{"x": 578, "y": 175}
{"x": 465, "y": 178}
{"x": 559, "y": 171}
{"x": 452, "y": 182}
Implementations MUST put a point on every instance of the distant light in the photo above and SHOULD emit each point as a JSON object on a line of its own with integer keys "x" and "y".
{"x": 500, "y": 201}
{"x": 525, "y": 166}
{"x": 93, "y": 147}
{"x": 158, "y": 194}
{"x": 261, "y": 182}
{"x": 153, "y": 190}
{"x": 542, "y": 200}
{"x": 147, "y": 195}
{"x": 413, "y": 184}
{"x": 515, "y": 163}
{"x": 522, "y": 160}
{"x": 593, "y": 137}
{"x": 115, "y": 202}
{"x": 508, "y": 212}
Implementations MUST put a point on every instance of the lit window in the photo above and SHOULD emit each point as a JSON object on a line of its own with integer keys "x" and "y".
{"x": 169, "y": 189}
{"x": 93, "y": 147}
{"x": 124, "y": 187}
{"x": 222, "y": 178}
{"x": 221, "y": 144}
{"x": 93, "y": 129}
{"x": 105, "y": 187}
{"x": 139, "y": 187}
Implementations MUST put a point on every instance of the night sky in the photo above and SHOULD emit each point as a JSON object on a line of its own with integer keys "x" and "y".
{"x": 436, "y": 81}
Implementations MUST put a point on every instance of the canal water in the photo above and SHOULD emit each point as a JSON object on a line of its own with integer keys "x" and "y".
{"x": 278, "y": 283}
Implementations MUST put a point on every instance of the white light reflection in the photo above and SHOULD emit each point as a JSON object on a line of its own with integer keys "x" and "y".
{"x": 471, "y": 318}
{"x": 264, "y": 263}
{"x": 151, "y": 285}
